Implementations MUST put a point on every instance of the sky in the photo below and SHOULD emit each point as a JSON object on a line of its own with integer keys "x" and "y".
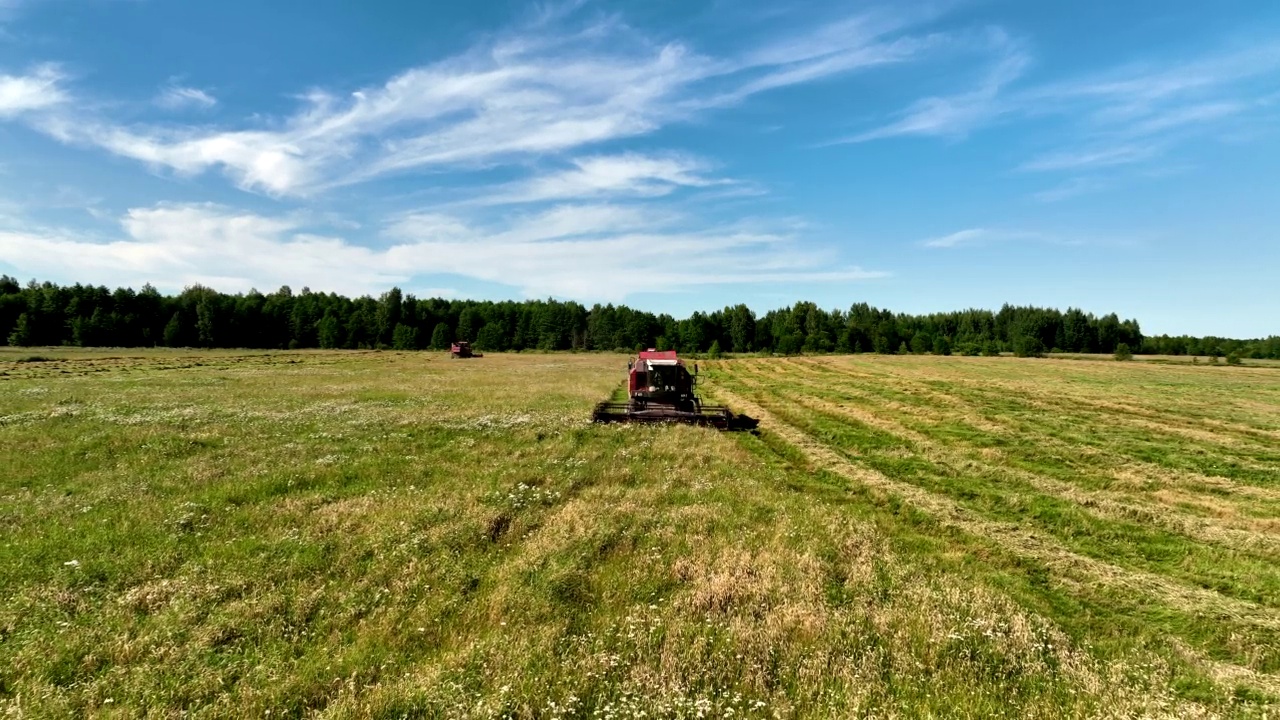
{"x": 670, "y": 155}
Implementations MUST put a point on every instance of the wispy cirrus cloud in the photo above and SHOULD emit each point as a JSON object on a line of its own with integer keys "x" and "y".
{"x": 1091, "y": 157}
{"x": 856, "y": 43}
{"x": 176, "y": 97}
{"x": 40, "y": 89}
{"x": 955, "y": 239}
{"x": 635, "y": 175}
{"x": 542, "y": 92}
{"x": 1073, "y": 187}
{"x": 980, "y": 236}
{"x": 589, "y": 252}
{"x": 1145, "y": 90}
{"x": 1123, "y": 116}
{"x": 957, "y": 115}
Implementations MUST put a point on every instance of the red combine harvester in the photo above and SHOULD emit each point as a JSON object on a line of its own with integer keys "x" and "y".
{"x": 660, "y": 389}
{"x": 462, "y": 349}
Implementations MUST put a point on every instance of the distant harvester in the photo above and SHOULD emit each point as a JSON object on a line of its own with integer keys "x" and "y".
{"x": 462, "y": 349}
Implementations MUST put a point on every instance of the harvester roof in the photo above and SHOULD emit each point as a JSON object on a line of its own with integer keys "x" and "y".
{"x": 660, "y": 357}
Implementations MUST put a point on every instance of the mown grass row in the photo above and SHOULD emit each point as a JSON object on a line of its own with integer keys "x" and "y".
{"x": 1088, "y": 454}
{"x": 990, "y": 492}
{"x": 1139, "y": 419}
{"x": 1027, "y": 449}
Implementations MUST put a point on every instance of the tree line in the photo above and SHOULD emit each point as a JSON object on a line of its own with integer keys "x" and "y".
{"x": 84, "y": 315}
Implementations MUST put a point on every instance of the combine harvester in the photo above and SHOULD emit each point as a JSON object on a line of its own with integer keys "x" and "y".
{"x": 660, "y": 389}
{"x": 462, "y": 349}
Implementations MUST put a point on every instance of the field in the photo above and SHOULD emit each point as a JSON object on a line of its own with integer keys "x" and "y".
{"x": 398, "y": 534}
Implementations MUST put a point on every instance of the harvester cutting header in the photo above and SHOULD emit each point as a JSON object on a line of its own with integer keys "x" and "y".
{"x": 661, "y": 390}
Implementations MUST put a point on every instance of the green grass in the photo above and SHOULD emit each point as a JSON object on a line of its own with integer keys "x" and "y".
{"x": 386, "y": 534}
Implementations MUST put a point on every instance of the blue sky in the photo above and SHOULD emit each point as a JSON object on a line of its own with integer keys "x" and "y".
{"x": 671, "y": 155}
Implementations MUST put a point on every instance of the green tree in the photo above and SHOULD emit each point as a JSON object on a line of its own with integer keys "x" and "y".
{"x": 440, "y": 337}
{"x": 206, "y": 313}
{"x": 941, "y": 346}
{"x": 921, "y": 343}
{"x": 467, "y": 325}
{"x": 1123, "y": 352}
{"x": 173, "y": 331}
{"x": 1233, "y": 359}
{"x": 330, "y": 331}
{"x": 886, "y": 337}
{"x": 491, "y": 338}
{"x": 714, "y": 352}
{"x": 404, "y": 337}
{"x": 845, "y": 343}
{"x": 1026, "y": 346}
{"x": 21, "y": 334}
{"x": 791, "y": 344}
{"x": 742, "y": 327}
{"x": 387, "y": 316}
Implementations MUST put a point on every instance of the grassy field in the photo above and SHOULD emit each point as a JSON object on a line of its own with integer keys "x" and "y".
{"x": 397, "y": 534}
{"x": 1168, "y": 359}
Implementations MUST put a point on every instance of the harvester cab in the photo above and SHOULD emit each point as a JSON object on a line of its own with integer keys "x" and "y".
{"x": 660, "y": 388}
{"x": 660, "y": 378}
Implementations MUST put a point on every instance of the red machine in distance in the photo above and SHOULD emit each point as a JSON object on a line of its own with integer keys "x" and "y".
{"x": 660, "y": 388}
{"x": 462, "y": 349}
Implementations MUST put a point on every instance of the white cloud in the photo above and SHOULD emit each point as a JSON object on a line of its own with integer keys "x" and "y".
{"x": 1178, "y": 117}
{"x": 255, "y": 159}
{"x": 961, "y": 237}
{"x": 591, "y": 252}
{"x": 980, "y": 236}
{"x": 846, "y": 45}
{"x": 629, "y": 174}
{"x": 957, "y": 115}
{"x": 1071, "y": 188}
{"x": 607, "y": 252}
{"x": 1133, "y": 92}
{"x": 1091, "y": 157}
{"x": 1122, "y": 116}
{"x": 39, "y": 90}
{"x": 173, "y": 246}
{"x": 180, "y": 98}
{"x": 543, "y": 93}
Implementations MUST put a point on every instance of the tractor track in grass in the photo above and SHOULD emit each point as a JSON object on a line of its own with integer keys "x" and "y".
{"x": 1071, "y": 568}
{"x": 1103, "y": 504}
